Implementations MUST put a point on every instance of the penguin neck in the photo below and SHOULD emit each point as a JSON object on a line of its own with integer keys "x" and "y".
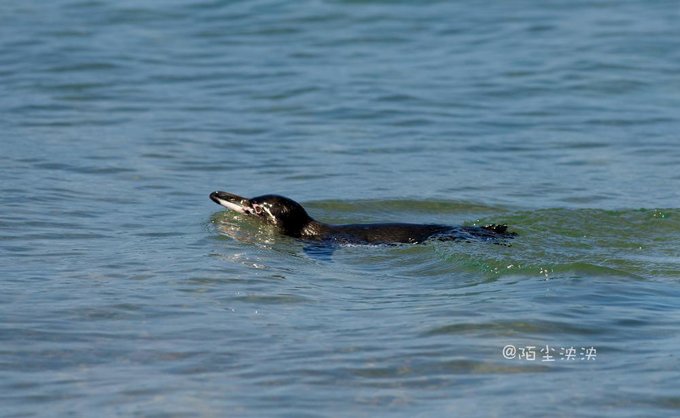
{"x": 314, "y": 229}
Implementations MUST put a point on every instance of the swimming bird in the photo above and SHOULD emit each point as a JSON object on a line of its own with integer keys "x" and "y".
{"x": 291, "y": 219}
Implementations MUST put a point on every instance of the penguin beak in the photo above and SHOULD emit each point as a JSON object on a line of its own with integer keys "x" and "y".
{"x": 232, "y": 201}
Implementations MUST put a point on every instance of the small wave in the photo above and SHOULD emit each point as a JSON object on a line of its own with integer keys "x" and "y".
{"x": 635, "y": 243}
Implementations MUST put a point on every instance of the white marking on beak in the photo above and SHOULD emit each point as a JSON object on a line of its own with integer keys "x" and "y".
{"x": 232, "y": 206}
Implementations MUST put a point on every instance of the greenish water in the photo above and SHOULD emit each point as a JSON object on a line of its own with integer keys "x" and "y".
{"x": 126, "y": 292}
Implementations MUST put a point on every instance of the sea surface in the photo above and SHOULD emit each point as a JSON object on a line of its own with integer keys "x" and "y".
{"x": 124, "y": 291}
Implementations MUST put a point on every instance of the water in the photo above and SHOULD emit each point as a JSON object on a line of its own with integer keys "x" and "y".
{"x": 127, "y": 292}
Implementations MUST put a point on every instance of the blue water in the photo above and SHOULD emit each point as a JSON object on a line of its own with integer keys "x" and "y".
{"x": 126, "y": 292}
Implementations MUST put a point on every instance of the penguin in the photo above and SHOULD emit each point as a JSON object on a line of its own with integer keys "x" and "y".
{"x": 291, "y": 219}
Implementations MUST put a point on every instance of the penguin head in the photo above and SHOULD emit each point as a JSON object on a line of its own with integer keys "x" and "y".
{"x": 284, "y": 213}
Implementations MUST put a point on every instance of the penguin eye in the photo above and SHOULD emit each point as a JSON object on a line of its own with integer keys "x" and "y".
{"x": 258, "y": 209}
